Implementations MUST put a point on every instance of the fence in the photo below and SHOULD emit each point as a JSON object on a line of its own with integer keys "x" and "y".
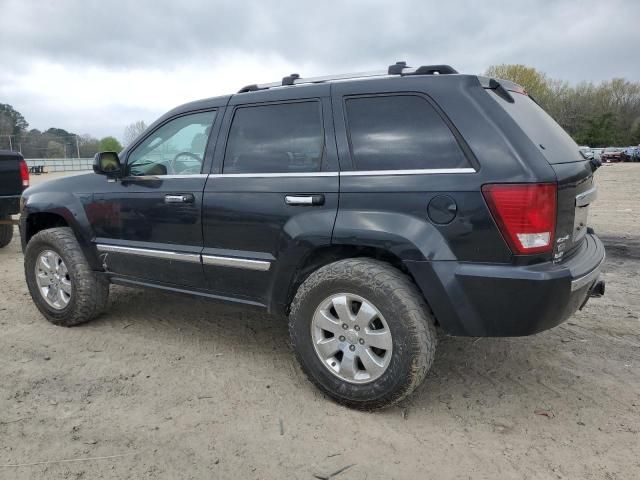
{"x": 61, "y": 164}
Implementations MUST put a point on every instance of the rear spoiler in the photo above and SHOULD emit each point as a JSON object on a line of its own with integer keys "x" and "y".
{"x": 503, "y": 87}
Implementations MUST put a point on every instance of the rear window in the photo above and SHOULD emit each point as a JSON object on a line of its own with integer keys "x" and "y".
{"x": 554, "y": 143}
{"x": 400, "y": 132}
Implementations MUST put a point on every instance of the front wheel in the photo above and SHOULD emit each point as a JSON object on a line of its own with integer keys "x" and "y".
{"x": 362, "y": 333}
{"x": 61, "y": 283}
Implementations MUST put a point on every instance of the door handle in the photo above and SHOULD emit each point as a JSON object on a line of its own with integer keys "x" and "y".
{"x": 302, "y": 200}
{"x": 181, "y": 198}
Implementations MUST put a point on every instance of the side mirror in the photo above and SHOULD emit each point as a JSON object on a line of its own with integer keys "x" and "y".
{"x": 107, "y": 163}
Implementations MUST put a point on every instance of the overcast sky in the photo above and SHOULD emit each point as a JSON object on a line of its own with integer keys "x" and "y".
{"x": 95, "y": 66}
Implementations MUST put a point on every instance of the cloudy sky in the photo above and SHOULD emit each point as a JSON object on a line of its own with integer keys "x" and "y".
{"x": 95, "y": 66}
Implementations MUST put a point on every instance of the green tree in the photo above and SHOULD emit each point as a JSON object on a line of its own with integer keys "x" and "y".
{"x": 11, "y": 121}
{"x": 599, "y": 132}
{"x": 534, "y": 82}
{"x": 110, "y": 144}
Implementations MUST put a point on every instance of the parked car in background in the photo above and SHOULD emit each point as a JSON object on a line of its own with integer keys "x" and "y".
{"x": 611, "y": 154}
{"x": 586, "y": 152}
{"x": 630, "y": 154}
{"x": 14, "y": 178}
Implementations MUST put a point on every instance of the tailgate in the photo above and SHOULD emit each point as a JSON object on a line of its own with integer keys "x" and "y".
{"x": 10, "y": 179}
{"x": 576, "y": 191}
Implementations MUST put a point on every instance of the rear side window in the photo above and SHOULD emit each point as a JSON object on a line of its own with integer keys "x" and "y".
{"x": 554, "y": 143}
{"x": 281, "y": 138}
{"x": 400, "y": 132}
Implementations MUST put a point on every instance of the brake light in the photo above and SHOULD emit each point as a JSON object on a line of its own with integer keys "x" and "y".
{"x": 525, "y": 214}
{"x": 24, "y": 173}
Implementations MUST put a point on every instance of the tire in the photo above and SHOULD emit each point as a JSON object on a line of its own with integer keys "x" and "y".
{"x": 89, "y": 293}
{"x": 6, "y": 233}
{"x": 400, "y": 305}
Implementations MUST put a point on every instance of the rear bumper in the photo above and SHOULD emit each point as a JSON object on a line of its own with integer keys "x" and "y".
{"x": 9, "y": 205}
{"x": 503, "y": 300}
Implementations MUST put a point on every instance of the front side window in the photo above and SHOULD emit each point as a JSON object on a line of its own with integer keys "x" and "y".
{"x": 278, "y": 138}
{"x": 400, "y": 132}
{"x": 176, "y": 148}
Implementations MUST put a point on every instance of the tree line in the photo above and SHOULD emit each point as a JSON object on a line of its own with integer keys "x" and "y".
{"x": 598, "y": 115}
{"x": 55, "y": 142}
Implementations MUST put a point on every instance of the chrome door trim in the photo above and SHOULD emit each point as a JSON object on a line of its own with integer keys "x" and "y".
{"x": 246, "y": 263}
{"x": 350, "y": 173}
{"x": 420, "y": 171}
{"x": 133, "y": 178}
{"x": 274, "y": 175}
{"x": 148, "y": 252}
{"x": 215, "y": 260}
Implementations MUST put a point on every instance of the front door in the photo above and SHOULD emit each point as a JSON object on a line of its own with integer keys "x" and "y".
{"x": 148, "y": 225}
{"x": 274, "y": 194}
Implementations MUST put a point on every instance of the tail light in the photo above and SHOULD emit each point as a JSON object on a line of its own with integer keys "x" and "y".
{"x": 525, "y": 214}
{"x": 24, "y": 173}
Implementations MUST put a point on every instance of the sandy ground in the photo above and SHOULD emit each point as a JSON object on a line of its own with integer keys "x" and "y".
{"x": 170, "y": 387}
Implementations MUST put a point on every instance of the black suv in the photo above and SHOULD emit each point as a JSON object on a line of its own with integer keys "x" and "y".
{"x": 367, "y": 208}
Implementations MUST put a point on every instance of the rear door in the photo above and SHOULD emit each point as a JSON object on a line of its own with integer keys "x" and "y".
{"x": 398, "y": 152}
{"x": 273, "y": 196}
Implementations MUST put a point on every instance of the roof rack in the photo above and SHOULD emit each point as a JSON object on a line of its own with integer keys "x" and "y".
{"x": 399, "y": 68}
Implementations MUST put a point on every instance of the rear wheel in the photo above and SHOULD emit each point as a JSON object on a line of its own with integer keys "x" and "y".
{"x": 61, "y": 283}
{"x": 362, "y": 333}
{"x": 6, "y": 232}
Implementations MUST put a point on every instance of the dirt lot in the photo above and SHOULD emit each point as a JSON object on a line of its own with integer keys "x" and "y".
{"x": 170, "y": 387}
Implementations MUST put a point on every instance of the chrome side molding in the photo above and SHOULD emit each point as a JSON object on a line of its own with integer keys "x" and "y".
{"x": 420, "y": 171}
{"x": 148, "y": 252}
{"x": 216, "y": 260}
{"x": 260, "y": 265}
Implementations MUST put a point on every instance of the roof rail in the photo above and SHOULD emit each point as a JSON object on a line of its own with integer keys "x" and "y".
{"x": 399, "y": 68}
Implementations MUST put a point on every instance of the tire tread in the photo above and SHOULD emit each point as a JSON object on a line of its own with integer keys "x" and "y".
{"x": 91, "y": 292}
{"x": 412, "y": 307}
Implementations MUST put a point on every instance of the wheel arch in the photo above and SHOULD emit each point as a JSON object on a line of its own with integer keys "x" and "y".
{"x": 37, "y": 215}
{"x": 284, "y": 291}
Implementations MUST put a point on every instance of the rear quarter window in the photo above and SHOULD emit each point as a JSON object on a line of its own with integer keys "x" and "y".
{"x": 551, "y": 139}
{"x": 400, "y": 132}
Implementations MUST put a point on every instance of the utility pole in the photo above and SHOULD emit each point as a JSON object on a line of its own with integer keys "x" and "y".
{"x": 77, "y": 146}
{"x": 10, "y": 144}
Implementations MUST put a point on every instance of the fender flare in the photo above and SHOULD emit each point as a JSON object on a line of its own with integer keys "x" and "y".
{"x": 70, "y": 207}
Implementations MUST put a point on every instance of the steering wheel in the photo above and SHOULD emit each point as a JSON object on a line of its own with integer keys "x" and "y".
{"x": 188, "y": 170}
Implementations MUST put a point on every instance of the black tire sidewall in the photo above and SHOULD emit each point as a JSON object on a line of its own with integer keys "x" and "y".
{"x": 34, "y": 248}
{"x": 393, "y": 380}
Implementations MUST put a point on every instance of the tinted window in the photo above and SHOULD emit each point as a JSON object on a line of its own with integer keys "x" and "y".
{"x": 543, "y": 130}
{"x": 275, "y": 138}
{"x": 400, "y": 132}
{"x": 176, "y": 148}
